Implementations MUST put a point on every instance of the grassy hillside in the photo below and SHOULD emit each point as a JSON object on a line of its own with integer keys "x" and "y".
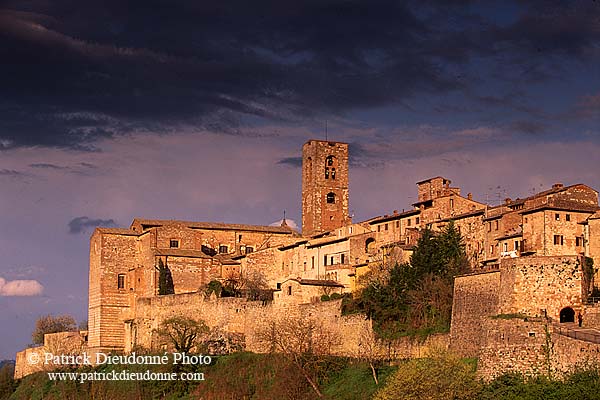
{"x": 237, "y": 376}
{"x": 260, "y": 376}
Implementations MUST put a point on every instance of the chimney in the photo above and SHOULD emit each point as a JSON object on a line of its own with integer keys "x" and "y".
{"x": 507, "y": 200}
{"x": 395, "y": 212}
{"x": 557, "y": 186}
{"x": 470, "y": 196}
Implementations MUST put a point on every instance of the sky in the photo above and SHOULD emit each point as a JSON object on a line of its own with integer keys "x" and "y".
{"x": 198, "y": 110}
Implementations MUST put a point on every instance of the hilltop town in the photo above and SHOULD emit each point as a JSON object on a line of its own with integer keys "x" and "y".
{"x": 531, "y": 272}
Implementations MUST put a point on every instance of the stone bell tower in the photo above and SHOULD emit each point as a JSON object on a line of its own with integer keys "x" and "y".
{"x": 324, "y": 186}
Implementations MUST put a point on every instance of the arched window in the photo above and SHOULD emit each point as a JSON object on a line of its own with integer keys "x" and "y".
{"x": 369, "y": 245}
{"x": 331, "y": 198}
{"x": 330, "y": 164}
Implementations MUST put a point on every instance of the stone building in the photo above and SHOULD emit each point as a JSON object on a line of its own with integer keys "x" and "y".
{"x": 324, "y": 186}
{"x": 124, "y": 266}
{"x": 526, "y": 257}
{"x": 124, "y": 263}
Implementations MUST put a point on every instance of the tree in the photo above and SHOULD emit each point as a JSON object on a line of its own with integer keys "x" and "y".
{"x": 305, "y": 342}
{"x": 213, "y": 286}
{"x": 182, "y": 332}
{"x": 370, "y": 350}
{"x": 416, "y": 297}
{"x": 52, "y": 324}
{"x": 7, "y": 382}
{"x": 165, "y": 279}
{"x": 255, "y": 285}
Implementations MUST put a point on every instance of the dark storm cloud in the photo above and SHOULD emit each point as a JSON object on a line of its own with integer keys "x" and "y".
{"x": 11, "y": 173}
{"x": 78, "y": 74}
{"x": 81, "y": 224}
{"x": 48, "y": 166}
{"x": 291, "y": 161}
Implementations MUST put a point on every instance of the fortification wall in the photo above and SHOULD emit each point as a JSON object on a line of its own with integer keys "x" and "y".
{"x": 530, "y": 285}
{"x": 512, "y": 345}
{"x": 532, "y": 347}
{"x": 475, "y": 297}
{"x": 33, "y": 359}
{"x": 241, "y": 317}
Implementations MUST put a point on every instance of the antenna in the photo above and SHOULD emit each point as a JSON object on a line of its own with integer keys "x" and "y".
{"x": 325, "y": 130}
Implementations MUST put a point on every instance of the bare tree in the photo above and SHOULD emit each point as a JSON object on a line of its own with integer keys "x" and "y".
{"x": 183, "y": 333}
{"x": 52, "y": 324}
{"x": 255, "y": 284}
{"x": 370, "y": 350}
{"x": 305, "y": 342}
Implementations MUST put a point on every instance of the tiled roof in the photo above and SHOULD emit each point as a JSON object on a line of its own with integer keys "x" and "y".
{"x": 392, "y": 217}
{"x": 316, "y": 282}
{"x": 118, "y": 231}
{"x": 214, "y": 225}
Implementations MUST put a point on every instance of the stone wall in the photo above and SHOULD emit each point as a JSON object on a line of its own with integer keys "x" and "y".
{"x": 532, "y": 347}
{"x": 513, "y": 345}
{"x": 33, "y": 359}
{"x": 239, "y": 316}
{"x": 530, "y": 285}
{"x": 475, "y": 297}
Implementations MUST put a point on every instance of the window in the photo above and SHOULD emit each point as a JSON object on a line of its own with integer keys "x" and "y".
{"x": 489, "y": 226}
{"x": 568, "y": 217}
{"x": 326, "y": 173}
{"x": 407, "y": 239}
{"x": 174, "y": 243}
{"x": 223, "y": 248}
{"x": 331, "y": 198}
{"x": 325, "y": 260}
{"x": 249, "y": 249}
{"x": 558, "y": 240}
{"x": 516, "y": 245}
{"x": 342, "y": 258}
{"x": 304, "y": 265}
{"x": 497, "y": 224}
{"x": 239, "y": 238}
{"x": 313, "y": 262}
{"x": 386, "y": 227}
{"x": 525, "y": 219}
{"x": 397, "y": 224}
{"x": 329, "y": 161}
{"x": 452, "y": 203}
{"x": 417, "y": 221}
{"x": 578, "y": 241}
{"x": 378, "y": 228}
{"x": 121, "y": 281}
{"x": 332, "y": 173}
{"x": 491, "y": 249}
{"x": 350, "y": 230}
{"x": 557, "y": 217}
{"x": 505, "y": 247}
{"x": 331, "y": 260}
{"x": 408, "y": 222}
{"x": 289, "y": 290}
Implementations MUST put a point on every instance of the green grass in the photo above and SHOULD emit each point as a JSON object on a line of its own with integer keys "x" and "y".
{"x": 355, "y": 382}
